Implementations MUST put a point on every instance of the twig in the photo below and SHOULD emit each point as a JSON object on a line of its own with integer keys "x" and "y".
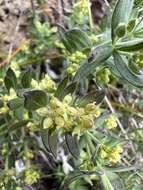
{"x": 107, "y": 4}
{"x": 118, "y": 121}
{"x": 90, "y": 15}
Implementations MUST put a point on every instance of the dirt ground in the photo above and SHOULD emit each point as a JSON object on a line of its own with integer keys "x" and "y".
{"x": 15, "y": 16}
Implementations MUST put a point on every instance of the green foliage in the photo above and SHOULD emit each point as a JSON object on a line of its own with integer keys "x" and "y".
{"x": 82, "y": 125}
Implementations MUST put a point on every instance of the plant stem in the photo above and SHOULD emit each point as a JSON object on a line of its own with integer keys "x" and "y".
{"x": 90, "y": 15}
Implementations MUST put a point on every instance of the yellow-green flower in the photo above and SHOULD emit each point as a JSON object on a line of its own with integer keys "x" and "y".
{"x": 87, "y": 122}
{"x": 34, "y": 84}
{"x": 111, "y": 122}
{"x": 45, "y": 84}
{"x": 81, "y": 7}
{"x": 28, "y": 155}
{"x": 4, "y": 110}
{"x": 6, "y": 177}
{"x": 43, "y": 111}
{"x": 47, "y": 123}
{"x": 59, "y": 121}
{"x": 93, "y": 38}
{"x": 18, "y": 188}
{"x": 112, "y": 154}
{"x": 75, "y": 60}
{"x": 62, "y": 115}
{"x": 31, "y": 176}
{"x": 32, "y": 127}
{"x": 92, "y": 109}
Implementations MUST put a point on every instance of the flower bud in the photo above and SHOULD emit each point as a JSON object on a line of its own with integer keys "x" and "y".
{"x": 43, "y": 111}
{"x": 131, "y": 25}
{"x": 111, "y": 122}
{"x": 87, "y": 122}
{"x": 47, "y": 123}
{"x": 31, "y": 176}
{"x": 59, "y": 121}
{"x": 121, "y": 30}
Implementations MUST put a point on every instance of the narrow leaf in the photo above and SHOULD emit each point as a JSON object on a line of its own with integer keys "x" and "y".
{"x": 15, "y": 103}
{"x": 138, "y": 187}
{"x": 68, "y": 90}
{"x": 121, "y": 14}
{"x": 124, "y": 169}
{"x": 106, "y": 182}
{"x": 18, "y": 124}
{"x": 77, "y": 174}
{"x": 72, "y": 145}
{"x": 133, "y": 45}
{"x": 61, "y": 87}
{"x": 126, "y": 73}
{"x": 95, "y": 96}
{"x": 53, "y": 142}
{"x": 50, "y": 142}
{"x": 75, "y": 40}
{"x": 100, "y": 54}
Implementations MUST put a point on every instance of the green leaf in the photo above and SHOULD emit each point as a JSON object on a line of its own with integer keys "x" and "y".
{"x": 79, "y": 184}
{"x": 96, "y": 96}
{"x": 106, "y": 182}
{"x": 50, "y": 141}
{"x": 99, "y": 55}
{"x": 124, "y": 169}
{"x": 68, "y": 90}
{"x": 72, "y": 145}
{"x": 138, "y": 34}
{"x": 26, "y": 78}
{"x": 133, "y": 45}
{"x": 126, "y": 73}
{"x": 138, "y": 187}
{"x": 53, "y": 143}
{"x": 20, "y": 92}
{"x": 77, "y": 174}
{"x": 16, "y": 103}
{"x": 115, "y": 180}
{"x": 35, "y": 99}
{"x": 75, "y": 40}
{"x": 61, "y": 87}
{"x": 113, "y": 68}
{"x": 10, "y": 79}
{"x": 121, "y": 14}
{"x": 18, "y": 125}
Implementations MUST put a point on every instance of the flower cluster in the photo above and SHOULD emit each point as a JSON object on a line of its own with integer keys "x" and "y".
{"x": 136, "y": 62}
{"x": 4, "y": 149}
{"x": 32, "y": 127}
{"x": 93, "y": 38}
{"x": 61, "y": 47}
{"x": 81, "y": 7}
{"x": 28, "y": 155}
{"x": 86, "y": 165}
{"x": 5, "y": 99}
{"x": 6, "y": 177}
{"x": 112, "y": 154}
{"x": 63, "y": 115}
{"x": 103, "y": 76}
{"x": 31, "y": 176}
{"x": 111, "y": 122}
{"x": 75, "y": 59}
{"x": 46, "y": 84}
{"x": 139, "y": 60}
